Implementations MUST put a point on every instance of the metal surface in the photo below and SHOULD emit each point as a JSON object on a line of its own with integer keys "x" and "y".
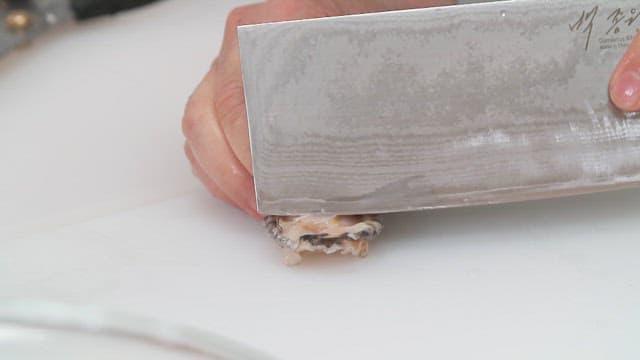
{"x": 43, "y": 14}
{"x": 442, "y": 107}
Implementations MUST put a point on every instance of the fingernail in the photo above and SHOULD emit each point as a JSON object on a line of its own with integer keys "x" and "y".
{"x": 626, "y": 90}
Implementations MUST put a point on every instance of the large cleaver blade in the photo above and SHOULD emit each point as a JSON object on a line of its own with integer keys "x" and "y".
{"x": 442, "y": 107}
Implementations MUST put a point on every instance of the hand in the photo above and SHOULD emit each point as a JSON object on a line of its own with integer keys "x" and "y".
{"x": 215, "y": 121}
{"x": 624, "y": 88}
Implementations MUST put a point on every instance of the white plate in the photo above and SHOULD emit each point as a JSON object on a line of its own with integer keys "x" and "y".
{"x": 39, "y": 330}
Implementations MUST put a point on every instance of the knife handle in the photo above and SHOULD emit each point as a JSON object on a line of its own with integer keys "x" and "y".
{"x": 87, "y": 9}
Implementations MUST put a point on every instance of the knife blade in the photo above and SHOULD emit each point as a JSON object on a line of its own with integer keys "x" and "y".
{"x": 442, "y": 107}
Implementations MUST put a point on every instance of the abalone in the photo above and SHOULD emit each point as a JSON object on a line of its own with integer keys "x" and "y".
{"x": 343, "y": 234}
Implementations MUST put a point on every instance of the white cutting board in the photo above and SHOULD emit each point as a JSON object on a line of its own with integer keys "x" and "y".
{"x": 98, "y": 206}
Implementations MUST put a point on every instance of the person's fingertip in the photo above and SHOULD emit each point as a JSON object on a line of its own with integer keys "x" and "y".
{"x": 250, "y": 205}
{"x": 200, "y": 174}
{"x": 251, "y": 211}
{"x": 236, "y": 129}
{"x": 625, "y": 89}
{"x": 256, "y": 215}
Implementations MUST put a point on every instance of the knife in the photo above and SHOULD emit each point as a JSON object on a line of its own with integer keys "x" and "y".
{"x": 23, "y": 20}
{"x": 442, "y": 107}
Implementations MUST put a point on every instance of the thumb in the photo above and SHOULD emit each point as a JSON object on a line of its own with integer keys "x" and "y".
{"x": 624, "y": 88}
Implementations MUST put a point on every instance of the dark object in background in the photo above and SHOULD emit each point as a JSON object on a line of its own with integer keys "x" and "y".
{"x": 86, "y": 9}
{"x": 24, "y": 20}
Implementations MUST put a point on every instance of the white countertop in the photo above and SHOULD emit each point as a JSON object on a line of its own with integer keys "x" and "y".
{"x": 98, "y": 206}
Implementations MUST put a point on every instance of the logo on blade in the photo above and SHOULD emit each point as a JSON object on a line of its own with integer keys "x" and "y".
{"x": 612, "y": 29}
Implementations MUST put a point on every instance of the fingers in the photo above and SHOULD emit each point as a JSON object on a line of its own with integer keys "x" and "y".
{"x": 202, "y": 176}
{"x": 418, "y": 4}
{"x": 624, "y": 88}
{"x": 215, "y": 121}
{"x": 368, "y": 6}
{"x": 228, "y": 91}
{"x": 212, "y": 152}
{"x": 230, "y": 109}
